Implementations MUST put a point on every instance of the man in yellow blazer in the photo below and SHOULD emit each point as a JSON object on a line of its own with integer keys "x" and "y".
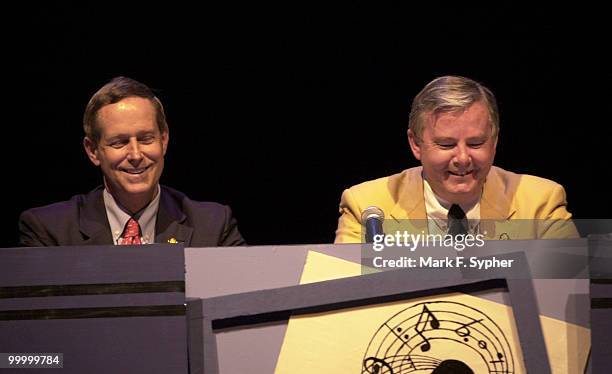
{"x": 453, "y": 132}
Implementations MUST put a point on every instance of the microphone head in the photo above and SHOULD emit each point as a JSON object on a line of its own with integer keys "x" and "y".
{"x": 372, "y": 212}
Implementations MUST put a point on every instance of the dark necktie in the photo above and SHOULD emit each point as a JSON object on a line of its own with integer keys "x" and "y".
{"x": 457, "y": 222}
{"x": 131, "y": 233}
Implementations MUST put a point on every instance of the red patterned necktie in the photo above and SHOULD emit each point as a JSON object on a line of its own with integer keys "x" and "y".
{"x": 131, "y": 233}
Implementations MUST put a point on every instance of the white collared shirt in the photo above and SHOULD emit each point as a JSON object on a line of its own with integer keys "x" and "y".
{"x": 437, "y": 212}
{"x": 117, "y": 217}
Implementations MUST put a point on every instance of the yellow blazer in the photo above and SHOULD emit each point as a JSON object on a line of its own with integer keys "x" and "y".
{"x": 506, "y": 196}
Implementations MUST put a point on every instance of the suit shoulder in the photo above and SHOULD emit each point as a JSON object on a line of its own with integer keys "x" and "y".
{"x": 527, "y": 187}
{"x": 209, "y": 206}
{"x": 539, "y": 182}
{"x": 50, "y": 225}
{"x": 531, "y": 183}
{"x": 194, "y": 205}
{"x": 391, "y": 182}
{"x": 55, "y": 210}
{"x": 385, "y": 186}
{"x": 369, "y": 186}
{"x": 382, "y": 192}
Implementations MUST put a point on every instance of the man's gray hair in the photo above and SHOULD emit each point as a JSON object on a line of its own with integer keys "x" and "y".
{"x": 450, "y": 94}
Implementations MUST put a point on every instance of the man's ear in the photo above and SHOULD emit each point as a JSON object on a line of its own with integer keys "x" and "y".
{"x": 91, "y": 148}
{"x": 165, "y": 137}
{"x": 415, "y": 147}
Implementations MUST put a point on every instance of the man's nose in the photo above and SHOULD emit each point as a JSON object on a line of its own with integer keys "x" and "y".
{"x": 134, "y": 151}
{"x": 462, "y": 156}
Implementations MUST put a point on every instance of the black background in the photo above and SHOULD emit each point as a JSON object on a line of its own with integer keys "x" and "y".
{"x": 275, "y": 109}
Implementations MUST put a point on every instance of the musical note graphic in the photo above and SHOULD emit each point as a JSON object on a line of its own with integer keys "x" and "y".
{"x": 434, "y": 323}
{"x": 448, "y": 332}
{"x": 409, "y": 360}
{"x": 463, "y": 330}
{"x": 499, "y": 359}
{"x": 399, "y": 364}
{"x": 374, "y": 365}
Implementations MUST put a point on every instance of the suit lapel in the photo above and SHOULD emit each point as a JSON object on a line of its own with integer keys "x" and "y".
{"x": 410, "y": 201}
{"x": 409, "y": 211}
{"x": 496, "y": 209}
{"x": 93, "y": 222}
{"x": 169, "y": 227}
{"x": 495, "y": 203}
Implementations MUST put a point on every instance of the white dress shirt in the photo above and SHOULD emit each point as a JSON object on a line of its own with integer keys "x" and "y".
{"x": 437, "y": 212}
{"x": 118, "y": 217}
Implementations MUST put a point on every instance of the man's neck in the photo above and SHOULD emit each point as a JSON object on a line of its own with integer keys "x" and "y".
{"x": 132, "y": 204}
{"x": 119, "y": 215}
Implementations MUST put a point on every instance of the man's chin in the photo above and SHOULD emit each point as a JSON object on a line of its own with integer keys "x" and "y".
{"x": 137, "y": 189}
{"x": 462, "y": 192}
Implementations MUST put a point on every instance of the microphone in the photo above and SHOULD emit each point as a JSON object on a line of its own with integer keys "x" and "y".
{"x": 372, "y": 218}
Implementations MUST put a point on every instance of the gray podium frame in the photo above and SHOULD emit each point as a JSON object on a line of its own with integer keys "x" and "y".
{"x": 600, "y": 251}
{"x": 244, "y": 309}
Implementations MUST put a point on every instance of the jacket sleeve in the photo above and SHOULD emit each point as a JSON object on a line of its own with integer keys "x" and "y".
{"x": 231, "y": 236}
{"x": 32, "y": 232}
{"x": 556, "y": 222}
{"x": 349, "y": 223}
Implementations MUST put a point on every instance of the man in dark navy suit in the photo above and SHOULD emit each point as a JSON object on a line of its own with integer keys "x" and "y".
{"x": 126, "y": 135}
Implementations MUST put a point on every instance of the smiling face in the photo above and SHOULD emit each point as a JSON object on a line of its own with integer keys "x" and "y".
{"x": 130, "y": 151}
{"x": 456, "y": 150}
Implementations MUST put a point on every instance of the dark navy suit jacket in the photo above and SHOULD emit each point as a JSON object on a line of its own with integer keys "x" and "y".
{"x": 82, "y": 220}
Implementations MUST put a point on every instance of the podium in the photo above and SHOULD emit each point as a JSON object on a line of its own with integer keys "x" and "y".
{"x": 165, "y": 309}
{"x": 105, "y": 309}
{"x": 253, "y": 343}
